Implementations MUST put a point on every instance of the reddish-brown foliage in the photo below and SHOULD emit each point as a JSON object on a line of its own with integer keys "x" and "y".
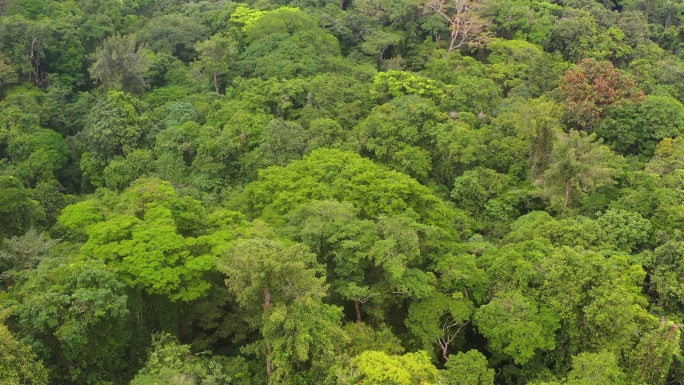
{"x": 592, "y": 86}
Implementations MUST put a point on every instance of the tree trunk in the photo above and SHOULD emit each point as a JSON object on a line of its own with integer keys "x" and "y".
{"x": 357, "y": 307}
{"x": 267, "y": 300}
{"x": 269, "y": 362}
{"x": 216, "y": 85}
{"x": 452, "y": 44}
{"x": 567, "y": 198}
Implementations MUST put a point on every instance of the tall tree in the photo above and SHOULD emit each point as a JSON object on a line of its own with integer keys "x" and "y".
{"x": 579, "y": 164}
{"x": 120, "y": 64}
{"x": 216, "y": 55}
{"x": 466, "y": 26}
{"x": 590, "y": 87}
{"x": 341, "y": 240}
{"x": 278, "y": 286}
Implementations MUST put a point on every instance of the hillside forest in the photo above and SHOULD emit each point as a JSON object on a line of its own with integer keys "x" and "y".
{"x": 367, "y": 192}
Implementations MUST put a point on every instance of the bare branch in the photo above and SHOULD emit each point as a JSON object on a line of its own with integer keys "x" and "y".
{"x": 465, "y": 24}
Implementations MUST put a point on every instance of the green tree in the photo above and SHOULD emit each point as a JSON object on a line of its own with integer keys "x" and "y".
{"x": 287, "y": 43}
{"x": 476, "y": 187}
{"x": 18, "y": 210}
{"x": 578, "y": 164}
{"x": 18, "y": 363}
{"x": 378, "y": 42}
{"x": 625, "y": 230}
{"x": 81, "y": 309}
{"x": 588, "y": 32}
{"x": 23, "y": 43}
{"x": 665, "y": 275}
{"x": 651, "y": 360}
{"x": 8, "y": 75}
{"x": 278, "y": 286}
{"x": 154, "y": 239}
{"x": 597, "y": 299}
{"x": 398, "y": 254}
{"x": 529, "y": 20}
{"x": 537, "y": 123}
{"x": 438, "y": 320}
{"x": 116, "y": 125}
{"x": 635, "y": 129}
{"x": 397, "y": 133}
{"x": 120, "y": 64}
{"x": 341, "y": 240}
{"x": 468, "y": 369}
{"x": 517, "y": 326}
{"x": 120, "y": 171}
{"x": 281, "y": 143}
{"x": 174, "y": 34}
{"x": 216, "y": 56}
{"x": 593, "y": 368}
{"x": 393, "y": 84}
{"x": 520, "y": 67}
{"x": 171, "y": 363}
{"x": 373, "y": 367}
{"x": 38, "y": 155}
{"x": 346, "y": 177}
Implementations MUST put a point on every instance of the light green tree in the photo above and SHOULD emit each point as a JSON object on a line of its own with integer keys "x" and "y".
{"x": 468, "y": 369}
{"x": 595, "y": 368}
{"x": 120, "y": 64}
{"x": 154, "y": 239}
{"x": 216, "y": 55}
{"x": 378, "y": 368}
{"x": 669, "y": 156}
{"x": 579, "y": 164}
{"x": 19, "y": 365}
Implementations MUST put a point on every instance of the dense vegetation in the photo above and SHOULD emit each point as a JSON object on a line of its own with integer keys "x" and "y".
{"x": 463, "y": 192}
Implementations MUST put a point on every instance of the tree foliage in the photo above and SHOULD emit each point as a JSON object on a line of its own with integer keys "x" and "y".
{"x": 120, "y": 64}
{"x": 592, "y": 86}
{"x": 341, "y": 192}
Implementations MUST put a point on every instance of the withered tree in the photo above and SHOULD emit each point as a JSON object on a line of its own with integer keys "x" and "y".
{"x": 466, "y": 25}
